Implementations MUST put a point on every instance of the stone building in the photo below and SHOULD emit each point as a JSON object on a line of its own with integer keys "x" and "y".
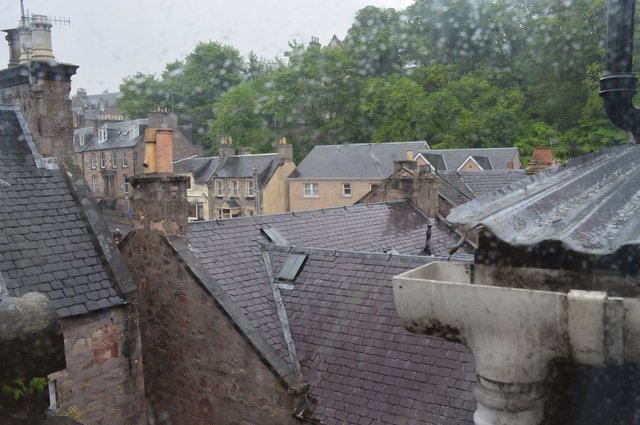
{"x": 90, "y": 110}
{"x": 230, "y": 185}
{"x": 114, "y": 150}
{"x": 53, "y": 241}
{"x": 289, "y": 315}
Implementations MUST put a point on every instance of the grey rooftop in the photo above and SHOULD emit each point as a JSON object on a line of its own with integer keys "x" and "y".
{"x": 45, "y": 244}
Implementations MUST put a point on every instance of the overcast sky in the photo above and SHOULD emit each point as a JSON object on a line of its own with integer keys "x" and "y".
{"x": 112, "y": 39}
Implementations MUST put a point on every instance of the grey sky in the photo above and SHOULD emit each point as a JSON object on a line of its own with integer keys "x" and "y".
{"x": 112, "y": 39}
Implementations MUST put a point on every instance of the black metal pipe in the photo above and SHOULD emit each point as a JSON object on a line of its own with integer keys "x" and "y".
{"x": 618, "y": 85}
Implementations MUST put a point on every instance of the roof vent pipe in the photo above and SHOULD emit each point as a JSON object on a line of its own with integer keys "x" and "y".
{"x": 618, "y": 85}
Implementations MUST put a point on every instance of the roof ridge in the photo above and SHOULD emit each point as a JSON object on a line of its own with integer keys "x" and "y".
{"x": 351, "y": 254}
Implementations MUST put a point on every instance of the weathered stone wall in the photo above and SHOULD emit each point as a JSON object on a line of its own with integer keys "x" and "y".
{"x": 199, "y": 369}
{"x": 103, "y": 381}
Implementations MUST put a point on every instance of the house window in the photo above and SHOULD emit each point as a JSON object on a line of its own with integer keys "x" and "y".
{"x": 114, "y": 159}
{"x": 80, "y": 139}
{"x": 373, "y": 186}
{"x": 251, "y": 188}
{"x": 102, "y": 135}
{"x": 196, "y": 210}
{"x": 135, "y": 131}
{"x": 346, "y": 190}
{"x": 250, "y": 212}
{"x": 103, "y": 160}
{"x": 94, "y": 184}
{"x": 125, "y": 159}
{"x": 234, "y": 187}
{"x": 125, "y": 185}
{"x": 311, "y": 190}
{"x": 219, "y": 189}
{"x": 93, "y": 161}
{"x": 224, "y": 213}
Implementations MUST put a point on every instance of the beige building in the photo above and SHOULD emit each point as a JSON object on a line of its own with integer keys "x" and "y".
{"x": 336, "y": 175}
{"x": 229, "y": 185}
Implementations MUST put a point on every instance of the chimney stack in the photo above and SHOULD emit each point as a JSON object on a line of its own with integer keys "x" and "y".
{"x": 13, "y": 38}
{"x": 159, "y": 196}
{"x": 35, "y": 40}
{"x": 226, "y": 147}
{"x": 40, "y": 87}
{"x": 285, "y": 151}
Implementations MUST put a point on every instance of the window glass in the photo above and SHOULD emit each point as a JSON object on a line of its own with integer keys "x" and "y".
{"x": 311, "y": 190}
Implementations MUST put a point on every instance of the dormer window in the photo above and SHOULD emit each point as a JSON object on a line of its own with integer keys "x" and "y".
{"x": 80, "y": 139}
{"x": 135, "y": 131}
{"x": 102, "y": 135}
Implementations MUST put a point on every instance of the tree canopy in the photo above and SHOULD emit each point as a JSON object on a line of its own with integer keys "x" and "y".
{"x": 456, "y": 73}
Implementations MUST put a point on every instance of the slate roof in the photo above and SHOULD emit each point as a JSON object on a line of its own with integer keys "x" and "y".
{"x": 234, "y": 167}
{"x": 201, "y": 168}
{"x": 45, "y": 244}
{"x": 373, "y": 161}
{"x": 229, "y": 250}
{"x": 243, "y": 166}
{"x": 362, "y": 365}
{"x": 119, "y": 136}
{"x": 459, "y": 187}
{"x": 454, "y": 158}
{"x": 590, "y": 206}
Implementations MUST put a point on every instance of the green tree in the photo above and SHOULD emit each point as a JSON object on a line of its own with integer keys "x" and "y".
{"x": 394, "y": 106}
{"x": 141, "y": 93}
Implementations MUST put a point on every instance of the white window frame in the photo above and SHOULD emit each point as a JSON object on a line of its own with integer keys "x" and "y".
{"x": 346, "y": 190}
{"x": 102, "y": 135}
{"x": 251, "y": 188}
{"x": 80, "y": 139}
{"x": 219, "y": 188}
{"x": 135, "y": 131}
{"x": 125, "y": 159}
{"x": 234, "y": 188}
{"x": 103, "y": 160}
{"x": 93, "y": 161}
{"x": 114, "y": 159}
{"x": 94, "y": 184}
{"x": 311, "y": 190}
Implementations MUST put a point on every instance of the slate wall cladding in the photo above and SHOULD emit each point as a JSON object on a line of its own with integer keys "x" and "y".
{"x": 198, "y": 368}
{"x": 103, "y": 381}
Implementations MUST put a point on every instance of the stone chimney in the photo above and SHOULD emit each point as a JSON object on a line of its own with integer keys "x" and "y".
{"x": 40, "y": 87}
{"x": 226, "y": 148}
{"x": 285, "y": 151}
{"x": 410, "y": 182}
{"x": 13, "y": 38}
{"x": 35, "y": 40}
{"x": 159, "y": 196}
{"x": 315, "y": 42}
{"x": 162, "y": 119}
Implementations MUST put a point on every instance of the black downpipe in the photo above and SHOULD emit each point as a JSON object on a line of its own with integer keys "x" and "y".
{"x": 618, "y": 85}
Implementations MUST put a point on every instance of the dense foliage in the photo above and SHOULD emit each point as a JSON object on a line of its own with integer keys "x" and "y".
{"x": 456, "y": 73}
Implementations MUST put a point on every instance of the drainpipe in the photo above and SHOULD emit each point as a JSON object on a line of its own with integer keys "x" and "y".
{"x": 618, "y": 85}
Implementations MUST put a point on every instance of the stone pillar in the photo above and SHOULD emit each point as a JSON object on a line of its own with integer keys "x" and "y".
{"x": 160, "y": 203}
